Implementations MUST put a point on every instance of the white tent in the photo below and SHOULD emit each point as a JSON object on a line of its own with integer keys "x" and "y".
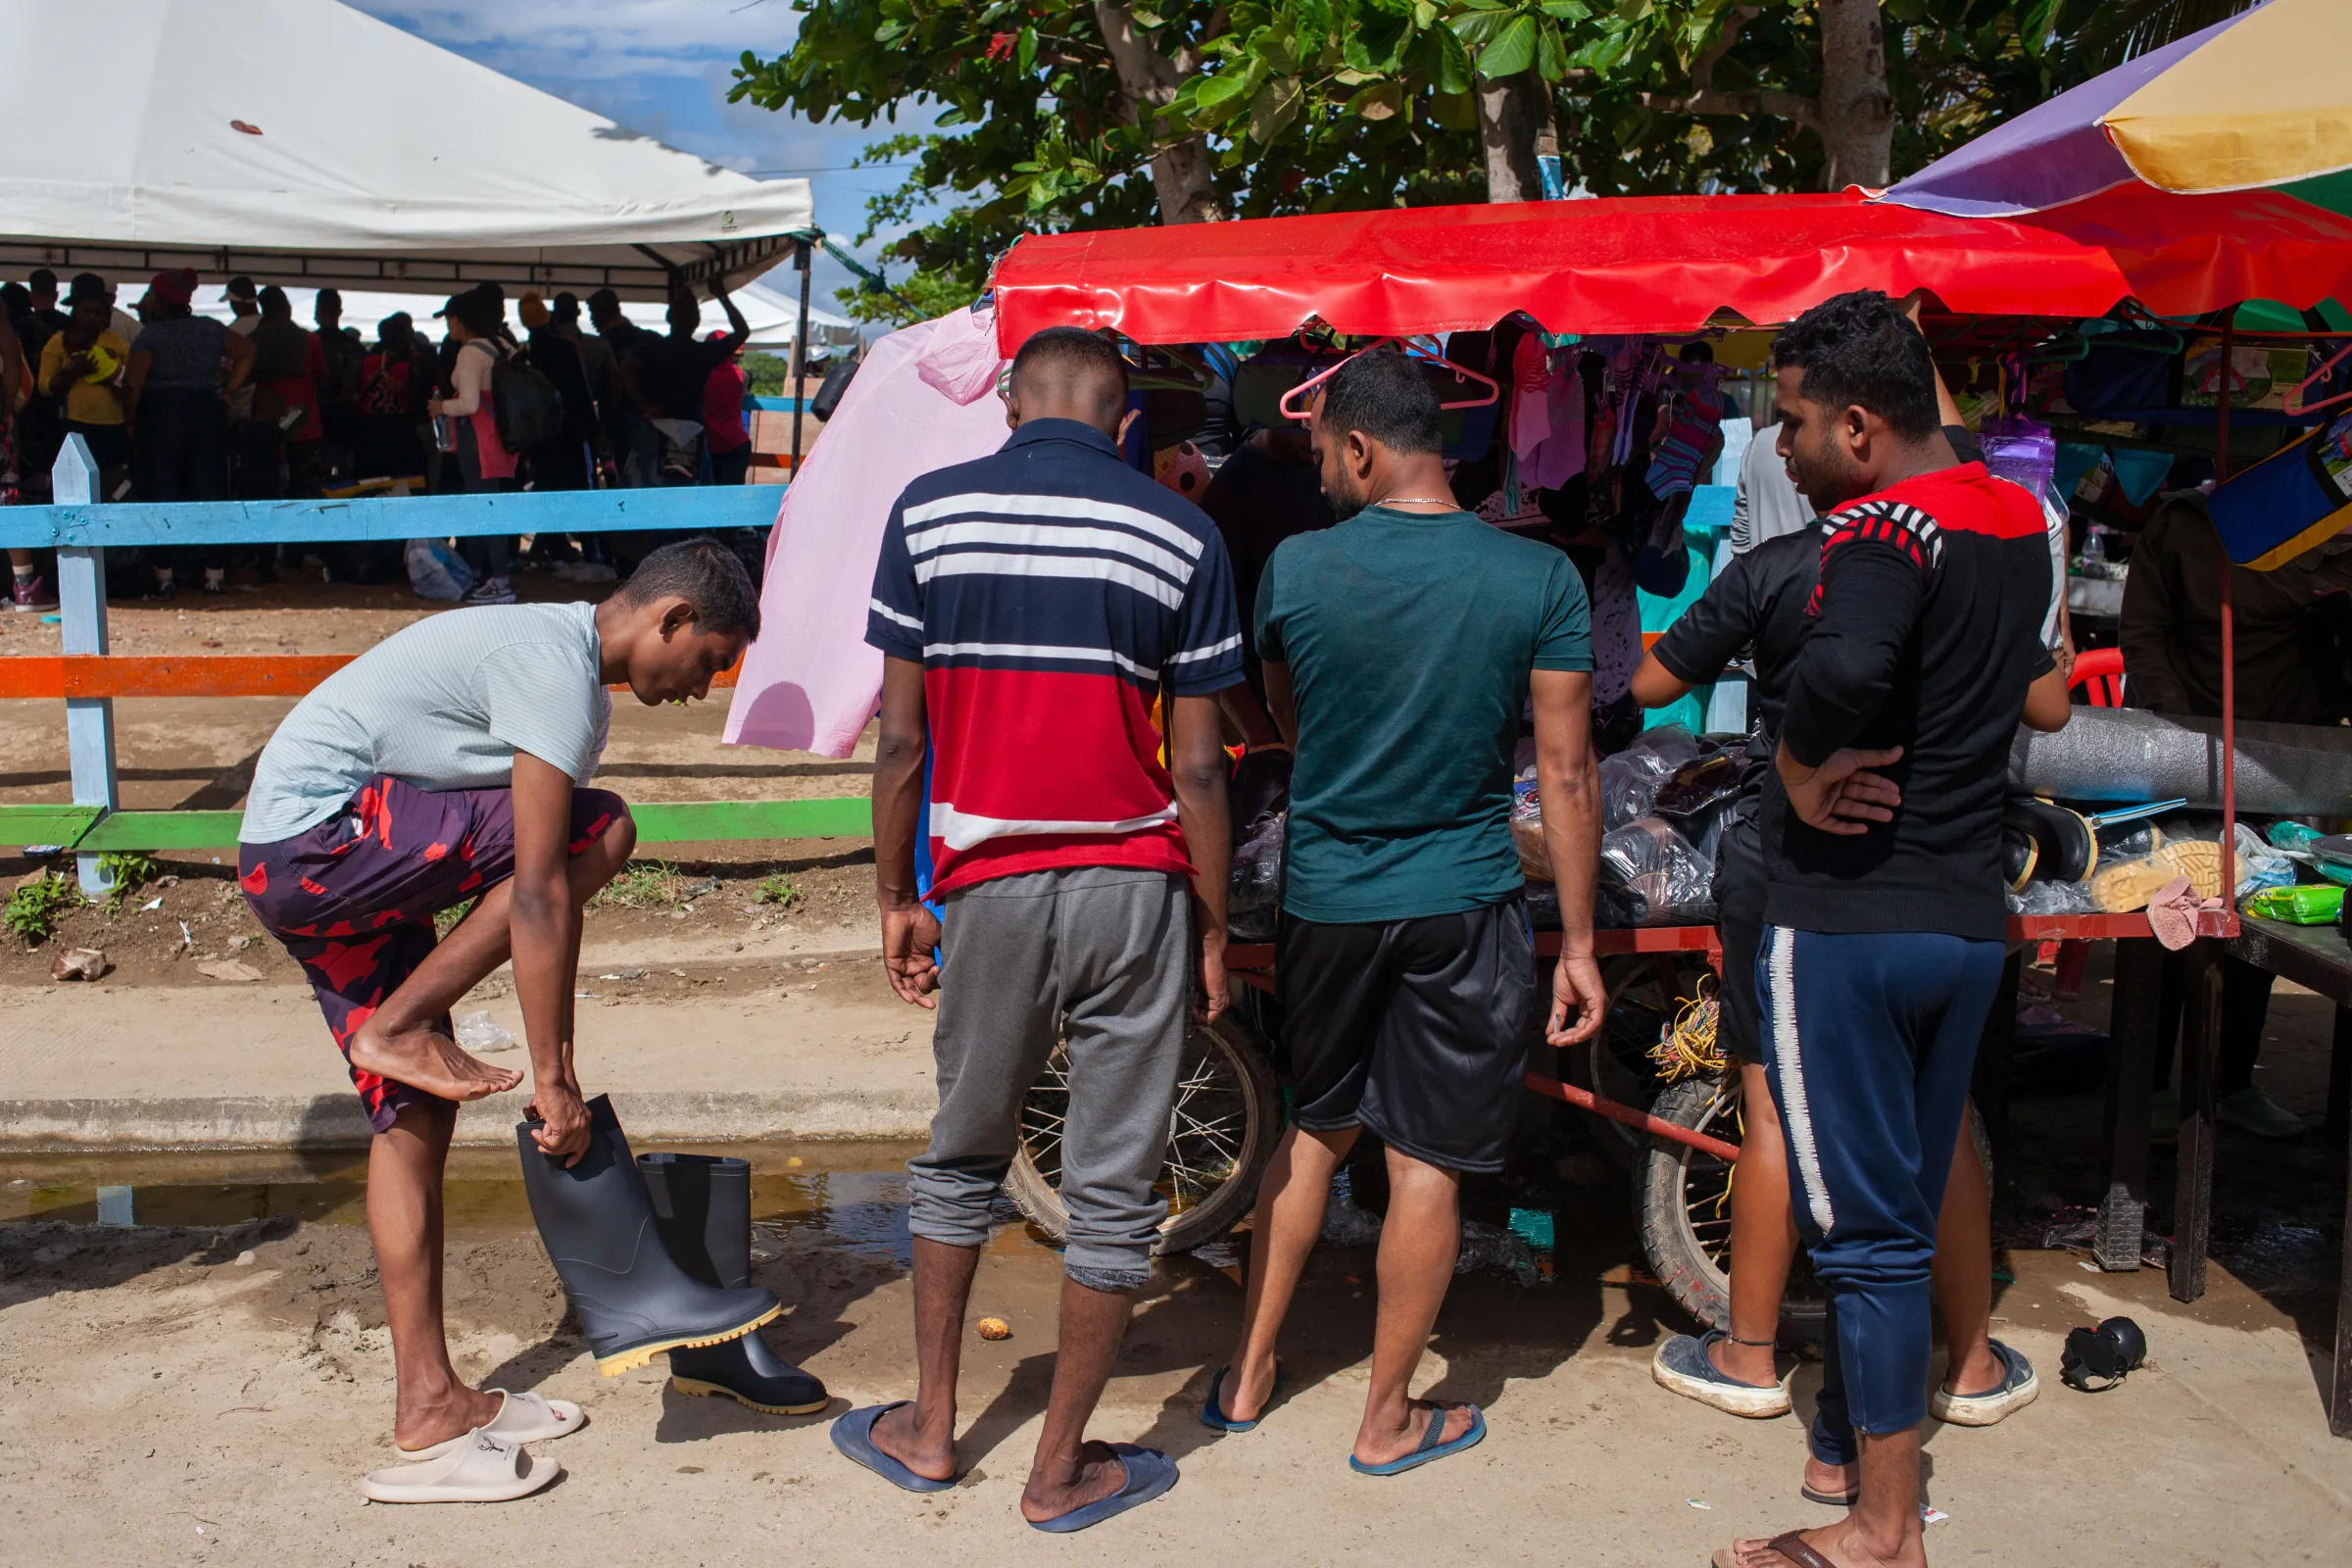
{"x": 302, "y": 142}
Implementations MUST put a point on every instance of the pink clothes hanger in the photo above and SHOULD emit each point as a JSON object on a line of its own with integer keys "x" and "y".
{"x": 2294, "y": 397}
{"x": 1302, "y": 414}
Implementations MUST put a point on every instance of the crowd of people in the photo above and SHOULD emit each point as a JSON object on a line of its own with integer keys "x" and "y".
{"x": 1051, "y": 599}
{"x": 176, "y": 406}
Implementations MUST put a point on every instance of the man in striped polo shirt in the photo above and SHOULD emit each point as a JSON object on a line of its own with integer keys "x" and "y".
{"x": 1031, "y": 608}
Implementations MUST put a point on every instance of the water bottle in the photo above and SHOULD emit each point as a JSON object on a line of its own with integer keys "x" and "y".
{"x": 445, "y": 432}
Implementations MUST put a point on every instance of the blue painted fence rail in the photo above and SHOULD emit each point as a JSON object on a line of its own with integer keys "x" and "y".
{"x": 98, "y": 526}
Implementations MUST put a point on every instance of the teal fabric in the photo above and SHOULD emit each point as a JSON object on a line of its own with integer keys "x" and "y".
{"x": 1409, "y": 640}
{"x": 1658, "y": 613}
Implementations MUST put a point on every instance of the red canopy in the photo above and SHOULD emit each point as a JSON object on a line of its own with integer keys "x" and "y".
{"x": 1651, "y": 264}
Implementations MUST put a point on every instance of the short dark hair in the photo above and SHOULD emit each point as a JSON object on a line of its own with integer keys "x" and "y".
{"x": 1077, "y": 354}
{"x": 1385, "y": 396}
{"x": 273, "y": 301}
{"x": 1858, "y": 348}
{"x": 41, "y": 280}
{"x": 707, "y": 575}
{"x": 604, "y": 302}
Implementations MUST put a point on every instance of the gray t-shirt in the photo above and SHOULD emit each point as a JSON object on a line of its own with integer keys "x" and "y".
{"x": 443, "y": 704}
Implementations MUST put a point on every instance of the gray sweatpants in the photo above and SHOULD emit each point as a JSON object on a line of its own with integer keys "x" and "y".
{"x": 1099, "y": 955}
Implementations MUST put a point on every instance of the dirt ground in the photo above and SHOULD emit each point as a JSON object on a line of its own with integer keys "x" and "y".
{"x": 209, "y": 1393}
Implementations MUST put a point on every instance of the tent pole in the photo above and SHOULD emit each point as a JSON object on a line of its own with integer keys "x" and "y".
{"x": 2221, "y": 472}
{"x": 800, "y": 352}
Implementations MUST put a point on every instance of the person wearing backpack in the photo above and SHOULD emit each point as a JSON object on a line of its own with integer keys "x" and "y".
{"x": 483, "y": 457}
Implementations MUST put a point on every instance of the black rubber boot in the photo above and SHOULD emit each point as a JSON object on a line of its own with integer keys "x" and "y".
{"x": 703, "y": 1206}
{"x": 598, "y": 1225}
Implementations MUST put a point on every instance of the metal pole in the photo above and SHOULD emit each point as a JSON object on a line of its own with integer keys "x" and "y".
{"x": 81, "y": 618}
{"x": 2220, "y": 472}
{"x": 800, "y": 352}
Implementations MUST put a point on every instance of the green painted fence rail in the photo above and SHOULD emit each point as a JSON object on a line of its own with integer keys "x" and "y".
{"x": 92, "y": 831}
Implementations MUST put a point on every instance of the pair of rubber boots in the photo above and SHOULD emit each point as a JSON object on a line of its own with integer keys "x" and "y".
{"x": 655, "y": 1254}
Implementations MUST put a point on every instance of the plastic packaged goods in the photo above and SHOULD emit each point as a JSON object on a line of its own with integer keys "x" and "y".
{"x": 1652, "y": 876}
{"x": 1631, "y": 778}
{"x": 1527, "y": 833}
{"x": 2314, "y": 903}
{"x": 2128, "y": 753}
{"x": 2055, "y": 898}
{"x": 1253, "y": 892}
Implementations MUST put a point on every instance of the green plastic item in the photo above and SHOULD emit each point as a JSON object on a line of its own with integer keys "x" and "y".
{"x": 2312, "y": 903}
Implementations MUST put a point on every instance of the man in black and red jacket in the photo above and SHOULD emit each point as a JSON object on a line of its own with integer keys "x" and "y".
{"x": 1880, "y": 830}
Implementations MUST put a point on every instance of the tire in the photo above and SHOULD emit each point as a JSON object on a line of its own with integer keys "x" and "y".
{"x": 1221, "y": 1133}
{"x": 1681, "y": 1207}
{"x": 1644, "y": 990}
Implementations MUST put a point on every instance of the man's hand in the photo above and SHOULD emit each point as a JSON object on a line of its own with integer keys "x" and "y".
{"x": 562, "y": 1130}
{"x": 1216, "y": 992}
{"x": 1841, "y": 795}
{"x": 1576, "y": 983}
{"x": 909, "y": 938}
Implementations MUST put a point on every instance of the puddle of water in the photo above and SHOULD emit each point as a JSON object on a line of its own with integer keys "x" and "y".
{"x": 855, "y": 1193}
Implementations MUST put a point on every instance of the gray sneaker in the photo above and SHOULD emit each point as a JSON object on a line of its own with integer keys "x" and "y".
{"x": 1683, "y": 1365}
{"x": 2258, "y": 1113}
{"x": 2016, "y": 1390}
{"x": 489, "y": 591}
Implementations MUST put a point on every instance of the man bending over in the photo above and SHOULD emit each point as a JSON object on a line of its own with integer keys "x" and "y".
{"x": 1401, "y": 646}
{"x": 1029, "y": 608}
{"x": 443, "y": 767}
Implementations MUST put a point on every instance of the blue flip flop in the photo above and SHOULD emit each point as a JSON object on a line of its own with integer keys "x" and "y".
{"x": 1213, "y": 1415}
{"x": 853, "y": 1436}
{"x": 1149, "y": 1472}
{"x": 1430, "y": 1449}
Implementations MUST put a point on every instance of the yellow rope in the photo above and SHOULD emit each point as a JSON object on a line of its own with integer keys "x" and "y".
{"x": 1687, "y": 1045}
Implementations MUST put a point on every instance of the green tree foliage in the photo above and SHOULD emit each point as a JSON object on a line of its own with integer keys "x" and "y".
{"x": 1060, "y": 115}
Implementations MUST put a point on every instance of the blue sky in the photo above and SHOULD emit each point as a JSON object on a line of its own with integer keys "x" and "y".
{"x": 664, "y": 67}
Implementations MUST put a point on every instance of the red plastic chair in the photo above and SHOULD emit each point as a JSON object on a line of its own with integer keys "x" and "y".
{"x": 2098, "y": 673}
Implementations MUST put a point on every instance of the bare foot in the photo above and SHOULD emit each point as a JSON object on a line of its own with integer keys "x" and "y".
{"x": 1830, "y": 1479}
{"x": 1246, "y": 1388}
{"x": 1099, "y": 1473}
{"x": 898, "y": 1435}
{"x": 423, "y": 1421}
{"x": 1976, "y": 1371}
{"x": 1751, "y": 1364}
{"x": 1839, "y": 1544}
{"x": 1382, "y": 1447}
{"x": 428, "y": 1060}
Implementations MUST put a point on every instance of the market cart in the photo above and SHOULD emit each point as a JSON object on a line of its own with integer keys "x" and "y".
{"x": 1678, "y": 267}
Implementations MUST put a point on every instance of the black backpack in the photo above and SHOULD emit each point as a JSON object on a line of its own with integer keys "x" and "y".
{"x": 525, "y": 404}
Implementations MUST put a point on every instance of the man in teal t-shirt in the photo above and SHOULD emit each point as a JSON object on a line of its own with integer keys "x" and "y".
{"x": 1403, "y": 648}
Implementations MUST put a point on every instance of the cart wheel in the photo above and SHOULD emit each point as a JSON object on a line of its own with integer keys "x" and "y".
{"x": 1682, "y": 1203}
{"x": 1221, "y": 1133}
{"x": 1683, "y": 1207}
{"x": 1643, "y": 991}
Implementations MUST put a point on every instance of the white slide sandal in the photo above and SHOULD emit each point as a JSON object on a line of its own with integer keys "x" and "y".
{"x": 486, "y": 1469}
{"x": 521, "y": 1418}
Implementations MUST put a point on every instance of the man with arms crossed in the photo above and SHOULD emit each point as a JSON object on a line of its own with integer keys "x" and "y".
{"x": 1880, "y": 826}
{"x": 444, "y": 766}
{"x": 1401, "y": 648}
{"x": 1029, "y": 608}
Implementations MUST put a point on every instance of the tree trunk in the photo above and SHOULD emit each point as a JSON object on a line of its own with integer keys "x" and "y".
{"x": 1856, "y": 111}
{"x": 1514, "y": 116}
{"x": 1180, "y": 170}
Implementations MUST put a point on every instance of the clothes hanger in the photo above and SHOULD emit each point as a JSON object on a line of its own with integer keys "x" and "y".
{"x": 2294, "y": 399}
{"x": 1410, "y": 349}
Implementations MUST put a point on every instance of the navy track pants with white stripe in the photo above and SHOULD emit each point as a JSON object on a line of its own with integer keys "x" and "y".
{"x": 1868, "y": 1041}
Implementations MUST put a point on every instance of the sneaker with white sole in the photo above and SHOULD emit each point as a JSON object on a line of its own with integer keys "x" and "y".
{"x": 33, "y": 592}
{"x": 490, "y": 591}
{"x": 2017, "y": 1390}
{"x": 1683, "y": 1365}
{"x": 2258, "y": 1113}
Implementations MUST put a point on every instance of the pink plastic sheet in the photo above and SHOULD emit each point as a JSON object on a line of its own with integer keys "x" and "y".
{"x": 920, "y": 401}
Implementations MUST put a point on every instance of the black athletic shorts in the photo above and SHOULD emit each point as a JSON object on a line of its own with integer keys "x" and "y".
{"x": 1415, "y": 1030}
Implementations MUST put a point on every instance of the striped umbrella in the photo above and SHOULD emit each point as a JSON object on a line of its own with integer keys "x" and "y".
{"x": 2262, "y": 102}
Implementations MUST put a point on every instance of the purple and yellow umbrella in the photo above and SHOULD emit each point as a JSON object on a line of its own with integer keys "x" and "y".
{"x": 2262, "y": 102}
